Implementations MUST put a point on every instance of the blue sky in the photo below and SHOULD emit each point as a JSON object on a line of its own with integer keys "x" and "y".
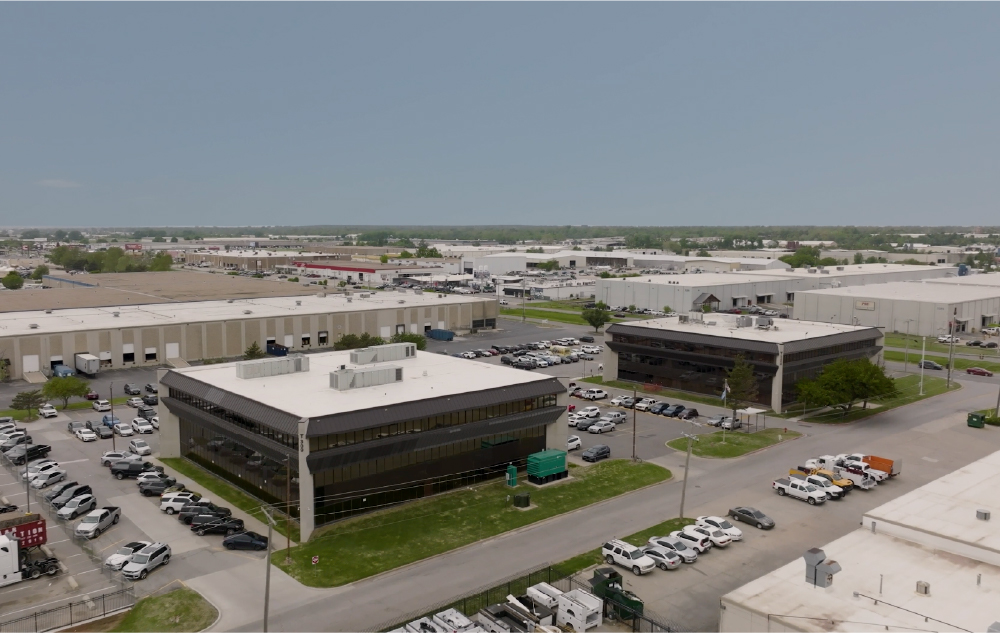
{"x": 499, "y": 113}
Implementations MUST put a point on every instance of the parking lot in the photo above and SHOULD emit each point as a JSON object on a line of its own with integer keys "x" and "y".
{"x": 141, "y": 520}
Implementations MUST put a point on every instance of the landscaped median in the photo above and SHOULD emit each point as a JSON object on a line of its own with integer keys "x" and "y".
{"x": 20, "y": 414}
{"x": 989, "y": 361}
{"x": 384, "y": 540}
{"x": 908, "y": 389}
{"x": 726, "y": 444}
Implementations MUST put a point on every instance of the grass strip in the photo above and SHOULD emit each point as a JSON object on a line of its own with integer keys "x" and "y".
{"x": 909, "y": 392}
{"x": 669, "y": 394}
{"x": 407, "y": 533}
{"x": 550, "y": 315}
{"x": 728, "y": 444}
{"x": 961, "y": 362}
{"x": 588, "y": 559}
{"x": 182, "y": 609}
{"x": 21, "y": 414}
{"x": 228, "y": 492}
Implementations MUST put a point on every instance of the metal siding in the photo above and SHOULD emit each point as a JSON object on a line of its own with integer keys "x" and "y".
{"x": 367, "y": 418}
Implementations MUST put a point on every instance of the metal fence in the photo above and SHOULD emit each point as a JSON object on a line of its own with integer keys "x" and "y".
{"x": 471, "y": 603}
{"x": 71, "y": 613}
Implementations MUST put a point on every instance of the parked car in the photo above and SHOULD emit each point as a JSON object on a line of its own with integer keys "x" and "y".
{"x": 123, "y": 469}
{"x": 151, "y": 400}
{"x": 659, "y": 408}
{"x": 622, "y": 401}
{"x": 596, "y": 453}
{"x": 590, "y": 412}
{"x": 664, "y": 558}
{"x": 689, "y": 414}
{"x": 595, "y": 394}
{"x": 134, "y": 402}
{"x": 154, "y": 422}
{"x": 718, "y": 523}
{"x": 25, "y": 452}
{"x": 731, "y": 424}
{"x": 98, "y": 521}
{"x": 601, "y": 427}
{"x": 189, "y": 512}
{"x": 92, "y": 395}
{"x": 123, "y": 554}
{"x": 86, "y": 435}
{"x": 644, "y": 404}
{"x": 76, "y": 506}
{"x": 110, "y": 457}
{"x": 978, "y": 371}
{"x": 675, "y": 545}
{"x": 586, "y": 339}
{"x": 60, "y": 488}
{"x": 673, "y": 411}
{"x": 573, "y": 443}
{"x": 139, "y": 447}
{"x": 15, "y": 440}
{"x": 753, "y": 516}
{"x": 47, "y": 411}
{"x": 142, "y": 425}
{"x": 101, "y": 431}
{"x": 207, "y": 524}
{"x": 73, "y": 426}
{"x": 629, "y": 556}
{"x": 717, "y": 537}
{"x": 48, "y": 478}
{"x": 101, "y": 405}
{"x": 245, "y": 540}
{"x": 151, "y": 388}
{"x": 37, "y": 467}
{"x": 716, "y": 420}
{"x": 929, "y": 364}
{"x": 132, "y": 389}
{"x": 146, "y": 560}
{"x": 173, "y": 503}
{"x": 584, "y": 423}
{"x": 71, "y": 493}
{"x": 615, "y": 417}
{"x": 110, "y": 421}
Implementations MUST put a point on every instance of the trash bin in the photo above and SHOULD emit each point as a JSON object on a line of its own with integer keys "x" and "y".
{"x": 976, "y": 420}
{"x": 522, "y": 500}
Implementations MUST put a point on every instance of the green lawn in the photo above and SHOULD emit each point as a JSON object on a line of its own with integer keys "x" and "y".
{"x": 561, "y": 317}
{"x": 726, "y": 444}
{"x": 899, "y": 340}
{"x": 73, "y": 406}
{"x": 227, "y": 492}
{"x": 558, "y": 305}
{"x": 665, "y": 394}
{"x": 385, "y": 540}
{"x": 593, "y": 557}
{"x": 961, "y": 363}
{"x": 909, "y": 392}
{"x": 179, "y": 610}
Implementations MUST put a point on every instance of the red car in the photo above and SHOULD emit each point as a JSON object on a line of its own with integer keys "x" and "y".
{"x": 978, "y": 371}
{"x": 571, "y": 408}
{"x": 92, "y": 395}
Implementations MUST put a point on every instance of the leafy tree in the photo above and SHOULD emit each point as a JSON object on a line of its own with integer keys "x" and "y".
{"x": 596, "y": 317}
{"x": 600, "y": 305}
{"x": 173, "y": 240}
{"x": 631, "y": 307}
{"x": 4, "y": 367}
{"x": 384, "y": 259}
{"x": 254, "y": 352}
{"x": 74, "y": 236}
{"x": 742, "y": 385}
{"x": 406, "y": 255}
{"x": 161, "y": 262}
{"x": 30, "y": 234}
{"x": 859, "y": 258}
{"x": 704, "y": 253}
{"x": 409, "y": 337}
{"x": 65, "y": 388}
{"x": 28, "y": 401}
{"x": 40, "y": 272}
{"x": 12, "y": 281}
{"x": 549, "y": 265}
{"x": 667, "y": 309}
{"x": 353, "y": 341}
{"x": 843, "y": 383}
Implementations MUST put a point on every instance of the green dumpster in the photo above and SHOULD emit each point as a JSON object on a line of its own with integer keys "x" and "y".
{"x": 976, "y": 420}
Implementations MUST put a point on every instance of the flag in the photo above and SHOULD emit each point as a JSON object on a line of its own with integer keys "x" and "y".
{"x": 725, "y": 390}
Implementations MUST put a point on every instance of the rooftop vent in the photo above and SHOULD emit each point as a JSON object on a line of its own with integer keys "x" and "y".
{"x": 49, "y": 311}
{"x": 812, "y": 270}
{"x": 344, "y": 378}
{"x": 248, "y": 312}
{"x": 825, "y": 271}
{"x": 383, "y": 353}
{"x": 401, "y": 301}
{"x": 298, "y": 303}
{"x": 115, "y": 314}
{"x": 923, "y": 588}
{"x": 229, "y": 300}
{"x": 33, "y": 326}
{"x": 365, "y": 295}
{"x": 840, "y": 268}
{"x": 320, "y": 294}
{"x": 744, "y": 321}
{"x": 273, "y": 366}
{"x": 983, "y": 515}
{"x": 819, "y": 570}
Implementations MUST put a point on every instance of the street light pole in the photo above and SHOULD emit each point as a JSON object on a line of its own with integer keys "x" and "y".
{"x": 951, "y": 349}
{"x": 27, "y": 492}
{"x": 923, "y": 351}
{"x": 524, "y": 298}
{"x": 906, "y": 354}
{"x": 288, "y": 510}
{"x": 111, "y": 401}
{"x": 690, "y": 437}
{"x": 634, "y": 430}
{"x": 267, "y": 560}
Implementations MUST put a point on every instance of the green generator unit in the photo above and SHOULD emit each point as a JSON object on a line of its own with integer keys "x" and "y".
{"x": 546, "y": 466}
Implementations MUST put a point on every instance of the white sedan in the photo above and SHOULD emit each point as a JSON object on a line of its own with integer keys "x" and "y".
{"x": 590, "y": 412}
{"x": 573, "y": 443}
{"x": 155, "y": 422}
{"x": 718, "y": 537}
{"x": 123, "y": 430}
{"x": 86, "y": 435}
{"x": 719, "y": 523}
{"x": 142, "y": 425}
{"x": 469, "y": 355}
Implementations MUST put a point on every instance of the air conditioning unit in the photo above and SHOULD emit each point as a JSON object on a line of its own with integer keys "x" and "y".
{"x": 49, "y": 311}
{"x": 983, "y": 515}
{"x": 33, "y": 326}
{"x": 923, "y": 588}
{"x": 247, "y": 312}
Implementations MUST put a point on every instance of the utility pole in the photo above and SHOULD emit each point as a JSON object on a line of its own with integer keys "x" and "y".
{"x": 951, "y": 349}
{"x": 634, "y": 418}
{"x": 690, "y": 437}
{"x": 267, "y": 560}
{"x": 524, "y": 299}
{"x": 906, "y": 354}
{"x": 111, "y": 401}
{"x": 923, "y": 351}
{"x": 288, "y": 510}
{"x": 27, "y": 491}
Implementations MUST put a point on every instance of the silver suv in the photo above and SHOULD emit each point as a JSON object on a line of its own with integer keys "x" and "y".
{"x": 146, "y": 560}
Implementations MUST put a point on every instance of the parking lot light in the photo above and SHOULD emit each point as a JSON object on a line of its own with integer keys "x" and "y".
{"x": 691, "y": 438}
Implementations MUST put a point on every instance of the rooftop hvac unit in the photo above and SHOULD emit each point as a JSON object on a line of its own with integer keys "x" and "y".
{"x": 48, "y": 311}
{"x": 683, "y": 318}
{"x": 983, "y": 515}
{"x": 364, "y": 295}
{"x": 248, "y": 312}
{"x": 923, "y": 588}
{"x": 764, "y": 322}
{"x": 33, "y": 326}
{"x": 298, "y": 303}
{"x": 346, "y": 378}
{"x": 114, "y": 314}
{"x": 744, "y": 321}
{"x": 401, "y": 301}
{"x": 273, "y": 366}
{"x": 229, "y": 300}
{"x": 321, "y": 294}
{"x": 383, "y": 353}
{"x": 825, "y": 271}
{"x": 812, "y": 270}
{"x": 840, "y": 268}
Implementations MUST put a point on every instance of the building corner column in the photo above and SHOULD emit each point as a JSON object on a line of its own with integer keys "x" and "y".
{"x": 170, "y": 424}
{"x": 307, "y": 511}
{"x": 777, "y": 384}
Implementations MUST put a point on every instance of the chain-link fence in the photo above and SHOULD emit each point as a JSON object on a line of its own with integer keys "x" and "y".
{"x": 72, "y": 612}
{"x": 471, "y": 603}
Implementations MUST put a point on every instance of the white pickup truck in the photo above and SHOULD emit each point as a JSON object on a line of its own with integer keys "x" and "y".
{"x": 800, "y": 490}
{"x": 860, "y": 476}
{"x": 832, "y": 491}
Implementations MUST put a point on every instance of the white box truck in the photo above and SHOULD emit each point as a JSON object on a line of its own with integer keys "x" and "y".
{"x": 88, "y": 364}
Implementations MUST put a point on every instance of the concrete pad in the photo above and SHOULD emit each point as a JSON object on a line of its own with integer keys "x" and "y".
{"x": 51, "y": 437}
{"x": 146, "y": 516}
{"x": 35, "y": 377}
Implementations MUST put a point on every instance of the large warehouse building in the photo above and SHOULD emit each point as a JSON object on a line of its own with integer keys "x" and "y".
{"x": 924, "y": 309}
{"x": 503, "y": 263}
{"x": 694, "y": 352}
{"x": 128, "y": 336}
{"x": 359, "y": 429}
{"x": 928, "y": 560}
{"x": 740, "y": 289}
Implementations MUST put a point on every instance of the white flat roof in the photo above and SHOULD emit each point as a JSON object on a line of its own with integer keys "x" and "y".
{"x": 942, "y": 512}
{"x": 785, "y": 330}
{"x": 983, "y": 280}
{"x": 697, "y": 280}
{"x": 308, "y": 394}
{"x": 258, "y": 254}
{"x": 158, "y": 314}
{"x": 930, "y": 290}
{"x": 857, "y": 269}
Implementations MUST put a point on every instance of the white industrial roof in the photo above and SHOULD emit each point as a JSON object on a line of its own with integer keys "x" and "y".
{"x": 784, "y": 330}
{"x": 932, "y": 290}
{"x": 259, "y": 254}
{"x": 698, "y": 280}
{"x": 849, "y": 270}
{"x": 940, "y": 541}
{"x": 308, "y": 394}
{"x": 157, "y": 314}
{"x": 983, "y": 280}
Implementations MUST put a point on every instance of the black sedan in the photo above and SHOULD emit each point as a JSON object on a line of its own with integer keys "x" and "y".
{"x": 245, "y": 540}
{"x": 753, "y": 516}
{"x": 151, "y": 388}
{"x": 596, "y": 453}
{"x": 673, "y": 411}
{"x": 158, "y": 487}
{"x": 132, "y": 390}
{"x": 100, "y": 430}
{"x": 188, "y": 513}
{"x": 227, "y": 526}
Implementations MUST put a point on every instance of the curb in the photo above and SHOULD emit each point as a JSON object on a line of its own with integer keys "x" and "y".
{"x": 492, "y": 538}
{"x": 801, "y": 421}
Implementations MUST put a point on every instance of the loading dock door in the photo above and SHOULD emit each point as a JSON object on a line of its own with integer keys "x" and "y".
{"x": 289, "y": 340}
{"x": 173, "y": 350}
{"x": 55, "y": 360}
{"x": 29, "y": 363}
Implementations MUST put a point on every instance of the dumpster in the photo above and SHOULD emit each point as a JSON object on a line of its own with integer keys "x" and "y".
{"x": 522, "y": 500}
{"x": 976, "y": 420}
{"x": 545, "y": 466}
{"x": 440, "y": 335}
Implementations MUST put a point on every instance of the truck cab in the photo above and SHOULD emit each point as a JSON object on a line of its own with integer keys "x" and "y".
{"x": 799, "y": 490}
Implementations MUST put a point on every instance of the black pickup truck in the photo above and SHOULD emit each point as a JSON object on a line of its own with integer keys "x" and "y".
{"x": 27, "y": 452}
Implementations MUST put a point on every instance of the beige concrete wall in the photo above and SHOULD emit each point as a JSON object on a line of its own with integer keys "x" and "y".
{"x": 170, "y": 430}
